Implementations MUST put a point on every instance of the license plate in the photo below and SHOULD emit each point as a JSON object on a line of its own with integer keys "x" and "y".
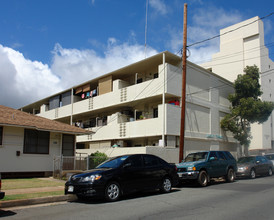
{"x": 180, "y": 174}
{"x": 70, "y": 189}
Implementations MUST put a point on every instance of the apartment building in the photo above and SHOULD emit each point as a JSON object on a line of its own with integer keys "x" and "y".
{"x": 243, "y": 45}
{"x": 137, "y": 109}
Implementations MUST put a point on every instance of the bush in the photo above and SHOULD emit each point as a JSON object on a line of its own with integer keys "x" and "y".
{"x": 96, "y": 158}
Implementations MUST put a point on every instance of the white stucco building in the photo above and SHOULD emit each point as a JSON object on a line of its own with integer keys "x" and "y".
{"x": 137, "y": 108}
{"x": 243, "y": 45}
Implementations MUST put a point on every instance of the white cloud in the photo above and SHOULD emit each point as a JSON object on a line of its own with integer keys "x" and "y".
{"x": 159, "y": 6}
{"x": 24, "y": 81}
{"x": 75, "y": 66}
{"x": 206, "y": 22}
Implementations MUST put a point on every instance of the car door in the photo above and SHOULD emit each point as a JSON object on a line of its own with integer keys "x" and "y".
{"x": 132, "y": 177}
{"x": 259, "y": 165}
{"x": 153, "y": 171}
{"x": 213, "y": 168}
{"x": 222, "y": 163}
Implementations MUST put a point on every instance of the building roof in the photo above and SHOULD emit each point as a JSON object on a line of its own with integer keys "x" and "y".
{"x": 17, "y": 118}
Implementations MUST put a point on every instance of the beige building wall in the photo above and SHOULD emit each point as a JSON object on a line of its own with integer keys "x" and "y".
{"x": 13, "y": 141}
{"x": 246, "y": 47}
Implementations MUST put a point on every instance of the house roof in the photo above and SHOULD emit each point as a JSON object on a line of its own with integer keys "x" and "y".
{"x": 17, "y": 118}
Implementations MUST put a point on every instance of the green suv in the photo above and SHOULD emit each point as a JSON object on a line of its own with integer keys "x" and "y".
{"x": 201, "y": 166}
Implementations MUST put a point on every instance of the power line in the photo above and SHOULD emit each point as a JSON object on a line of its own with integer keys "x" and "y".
{"x": 211, "y": 38}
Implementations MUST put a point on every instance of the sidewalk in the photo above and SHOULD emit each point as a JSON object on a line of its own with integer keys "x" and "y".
{"x": 33, "y": 201}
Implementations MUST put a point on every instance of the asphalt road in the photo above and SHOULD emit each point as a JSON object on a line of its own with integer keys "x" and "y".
{"x": 243, "y": 199}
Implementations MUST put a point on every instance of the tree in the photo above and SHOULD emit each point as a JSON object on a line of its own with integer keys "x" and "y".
{"x": 246, "y": 106}
{"x": 96, "y": 158}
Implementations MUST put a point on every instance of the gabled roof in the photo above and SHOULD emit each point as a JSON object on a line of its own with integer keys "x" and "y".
{"x": 17, "y": 118}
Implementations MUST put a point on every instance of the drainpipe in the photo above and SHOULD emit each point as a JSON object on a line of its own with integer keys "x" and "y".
{"x": 71, "y": 101}
{"x": 163, "y": 101}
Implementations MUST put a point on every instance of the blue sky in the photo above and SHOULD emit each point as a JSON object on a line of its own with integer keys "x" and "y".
{"x": 49, "y": 45}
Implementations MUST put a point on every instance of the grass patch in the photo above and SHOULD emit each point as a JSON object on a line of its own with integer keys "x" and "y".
{"x": 28, "y": 183}
{"x": 32, "y": 195}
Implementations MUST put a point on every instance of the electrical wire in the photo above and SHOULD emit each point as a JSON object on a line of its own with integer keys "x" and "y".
{"x": 211, "y": 38}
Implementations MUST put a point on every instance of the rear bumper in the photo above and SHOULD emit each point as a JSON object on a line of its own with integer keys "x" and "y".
{"x": 2, "y": 195}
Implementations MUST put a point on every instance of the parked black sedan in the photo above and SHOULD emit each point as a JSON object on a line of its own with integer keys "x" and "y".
{"x": 252, "y": 166}
{"x": 122, "y": 175}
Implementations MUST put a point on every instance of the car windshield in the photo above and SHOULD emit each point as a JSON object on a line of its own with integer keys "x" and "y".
{"x": 113, "y": 162}
{"x": 246, "y": 159}
{"x": 270, "y": 157}
{"x": 201, "y": 156}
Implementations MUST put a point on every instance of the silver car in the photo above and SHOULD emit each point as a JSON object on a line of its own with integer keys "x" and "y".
{"x": 270, "y": 157}
{"x": 252, "y": 166}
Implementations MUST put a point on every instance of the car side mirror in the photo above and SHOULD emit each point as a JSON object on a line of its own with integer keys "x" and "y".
{"x": 127, "y": 165}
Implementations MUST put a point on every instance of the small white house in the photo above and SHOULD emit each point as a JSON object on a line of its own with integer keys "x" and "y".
{"x": 28, "y": 143}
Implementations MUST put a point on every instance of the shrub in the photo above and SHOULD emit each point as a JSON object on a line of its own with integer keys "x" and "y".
{"x": 96, "y": 158}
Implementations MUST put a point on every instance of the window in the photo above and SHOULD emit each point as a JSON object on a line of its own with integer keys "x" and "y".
{"x": 1, "y": 135}
{"x": 135, "y": 160}
{"x": 150, "y": 160}
{"x": 68, "y": 145}
{"x": 155, "y": 113}
{"x": 36, "y": 142}
{"x": 221, "y": 155}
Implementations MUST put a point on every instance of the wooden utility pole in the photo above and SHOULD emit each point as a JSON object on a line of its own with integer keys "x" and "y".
{"x": 183, "y": 107}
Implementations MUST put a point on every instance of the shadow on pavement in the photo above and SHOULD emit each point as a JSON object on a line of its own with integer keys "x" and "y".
{"x": 6, "y": 213}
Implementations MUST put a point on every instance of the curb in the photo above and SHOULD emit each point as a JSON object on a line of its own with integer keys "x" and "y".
{"x": 35, "y": 201}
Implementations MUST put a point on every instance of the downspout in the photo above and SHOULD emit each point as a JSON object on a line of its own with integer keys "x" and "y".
{"x": 71, "y": 101}
{"x": 163, "y": 101}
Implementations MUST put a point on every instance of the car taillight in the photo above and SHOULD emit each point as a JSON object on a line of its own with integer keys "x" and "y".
{"x": 176, "y": 169}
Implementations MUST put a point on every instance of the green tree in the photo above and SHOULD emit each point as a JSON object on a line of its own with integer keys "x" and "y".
{"x": 96, "y": 158}
{"x": 246, "y": 106}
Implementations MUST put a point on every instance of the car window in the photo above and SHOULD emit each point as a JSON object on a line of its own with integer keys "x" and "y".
{"x": 213, "y": 154}
{"x": 135, "y": 160}
{"x": 258, "y": 158}
{"x": 228, "y": 155}
{"x": 199, "y": 156}
{"x": 113, "y": 162}
{"x": 246, "y": 159}
{"x": 150, "y": 160}
{"x": 221, "y": 156}
{"x": 270, "y": 157}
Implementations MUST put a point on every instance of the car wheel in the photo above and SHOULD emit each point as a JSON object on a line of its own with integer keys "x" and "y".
{"x": 252, "y": 174}
{"x": 166, "y": 185}
{"x": 112, "y": 191}
{"x": 270, "y": 171}
{"x": 230, "y": 177}
{"x": 203, "y": 178}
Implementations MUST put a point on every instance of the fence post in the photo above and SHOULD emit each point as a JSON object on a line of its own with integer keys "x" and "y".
{"x": 88, "y": 162}
{"x": 61, "y": 166}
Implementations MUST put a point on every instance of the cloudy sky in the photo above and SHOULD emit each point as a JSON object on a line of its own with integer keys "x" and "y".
{"x": 47, "y": 46}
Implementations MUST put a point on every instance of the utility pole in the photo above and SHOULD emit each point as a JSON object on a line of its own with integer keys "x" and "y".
{"x": 183, "y": 107}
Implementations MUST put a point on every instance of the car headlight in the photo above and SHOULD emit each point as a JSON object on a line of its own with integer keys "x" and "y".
{"x": 91, "y": 178}
{"x": 191, "y": 168}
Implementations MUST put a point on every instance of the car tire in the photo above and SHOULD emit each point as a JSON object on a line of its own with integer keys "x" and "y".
{"x": 112, "y": 191}
{"x": 252, "y": 173}
{"x": 166, "y": 185}
{"x": 270, "y": 172}
{"x": 203, "y": 178}
{"x": 230, "y": 177}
